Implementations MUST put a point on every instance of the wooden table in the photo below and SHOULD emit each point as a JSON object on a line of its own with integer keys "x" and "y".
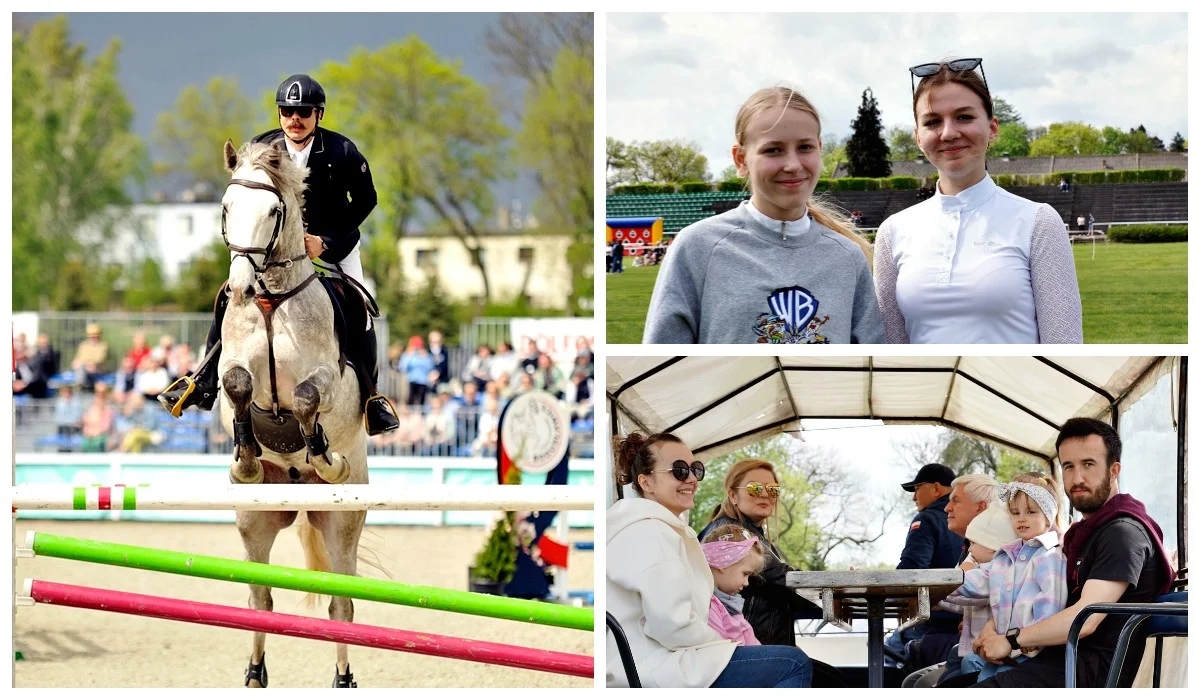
{"x": 844, "y": 596}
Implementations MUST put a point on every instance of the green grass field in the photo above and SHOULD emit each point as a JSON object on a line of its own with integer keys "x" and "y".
{"x": 1131, "y": 294}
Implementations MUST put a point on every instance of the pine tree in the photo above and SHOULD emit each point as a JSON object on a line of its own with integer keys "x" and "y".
{"x": 867, "y": 151}
{"x": 1177, "y": 143}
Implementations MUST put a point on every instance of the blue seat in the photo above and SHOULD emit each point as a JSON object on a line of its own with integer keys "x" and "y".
{"x": 1167, "y": 617}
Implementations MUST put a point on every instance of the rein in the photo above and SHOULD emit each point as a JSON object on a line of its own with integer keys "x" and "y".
{"x": 266, "y": 301}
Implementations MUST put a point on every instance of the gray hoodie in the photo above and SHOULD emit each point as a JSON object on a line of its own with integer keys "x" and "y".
{"x": 731, "y": 279}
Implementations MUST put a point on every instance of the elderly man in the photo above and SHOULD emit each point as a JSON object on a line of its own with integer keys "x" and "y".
{"x": 970, "y": 495}
{"x": 1114, "y": 554}
{"x": 930, "y": 545}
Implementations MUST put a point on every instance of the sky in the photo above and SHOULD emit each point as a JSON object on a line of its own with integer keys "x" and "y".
{"x": 162, "y": 53}
{"x": 686, "y": 75}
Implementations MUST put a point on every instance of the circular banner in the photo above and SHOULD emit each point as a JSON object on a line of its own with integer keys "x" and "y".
{"x": 535, "y": 432}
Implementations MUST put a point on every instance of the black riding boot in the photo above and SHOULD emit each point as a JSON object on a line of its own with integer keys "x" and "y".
{"x": 379, "y": 413}
{"x": 199, "y": 387}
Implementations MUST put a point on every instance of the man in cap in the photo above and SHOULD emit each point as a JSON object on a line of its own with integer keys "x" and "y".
{"x": 930, "y": 545}
{"x": 339, "y": 196}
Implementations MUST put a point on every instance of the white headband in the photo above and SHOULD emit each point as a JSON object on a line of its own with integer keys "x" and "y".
{"x": 1040, "y": 494}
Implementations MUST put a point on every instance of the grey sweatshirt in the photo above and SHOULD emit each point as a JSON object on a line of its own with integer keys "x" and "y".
{"x": 731, "y": 279}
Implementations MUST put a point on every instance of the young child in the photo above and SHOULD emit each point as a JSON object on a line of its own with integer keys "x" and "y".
{"x": 734, "y": 555}
{"x": 988, "y": 532}
{"x": 1025, "y": 581}
{"x": 779, "y": 268}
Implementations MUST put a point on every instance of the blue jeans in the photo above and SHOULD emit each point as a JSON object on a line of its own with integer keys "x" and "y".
{"x": 771, "y": 666}
{"x": 953, "y": 665}
{"x": 974, "y": 662}
{"x": 897, "y": 640}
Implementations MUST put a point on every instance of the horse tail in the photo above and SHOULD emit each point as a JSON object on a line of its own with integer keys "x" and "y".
{"x": 316, "y": 554}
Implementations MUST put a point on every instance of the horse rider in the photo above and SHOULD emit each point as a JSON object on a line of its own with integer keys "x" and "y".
{"x": 335, "y": 169}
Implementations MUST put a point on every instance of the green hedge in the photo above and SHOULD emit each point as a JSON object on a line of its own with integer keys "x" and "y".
{"x": 735, "y": 185}
{"x": 1118, "y": 177}
{"x": 695, "y": 187}
{"x": 646, "y": 188}
{"x": 1149, "y": 233}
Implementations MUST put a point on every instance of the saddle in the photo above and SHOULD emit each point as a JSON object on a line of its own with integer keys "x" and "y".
{"x": 349, "y": 312}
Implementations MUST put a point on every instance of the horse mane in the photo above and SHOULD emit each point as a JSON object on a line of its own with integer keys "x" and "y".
{"x": 287, "y": 176}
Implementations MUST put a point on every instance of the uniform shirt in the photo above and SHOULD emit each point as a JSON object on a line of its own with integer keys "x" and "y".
{"x": 339, "y": 193}
{"x": 983, "y": 266}
{"x": 930, "y": 543}
{"x": 299, "y": 157}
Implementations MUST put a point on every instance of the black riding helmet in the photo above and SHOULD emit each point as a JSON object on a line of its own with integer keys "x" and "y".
{"x": 300, "y": 90}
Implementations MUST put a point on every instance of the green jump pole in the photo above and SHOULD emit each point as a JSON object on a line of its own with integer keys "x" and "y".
{"x": 319, "y": 582}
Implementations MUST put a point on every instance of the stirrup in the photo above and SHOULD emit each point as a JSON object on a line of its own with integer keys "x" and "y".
{"x": 164, "y": 398}
{"x": 392, "y": 421}
{"x": 345, "y": 680}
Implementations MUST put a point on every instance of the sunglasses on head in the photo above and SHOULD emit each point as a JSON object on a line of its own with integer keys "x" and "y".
{"x": 304, "y": 112}
{"x": 757, "y": 489}
{"x": 679, "y": 469}
{"x": 958, "y": 66}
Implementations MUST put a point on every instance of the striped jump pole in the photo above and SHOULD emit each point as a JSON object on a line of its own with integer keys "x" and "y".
{"x": 308, "y": 628}
{"x": 319, "y": 582}
{"x": 316, "y": 497}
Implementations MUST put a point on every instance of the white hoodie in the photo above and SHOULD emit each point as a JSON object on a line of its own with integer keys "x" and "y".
{"x": 658, "y": 587}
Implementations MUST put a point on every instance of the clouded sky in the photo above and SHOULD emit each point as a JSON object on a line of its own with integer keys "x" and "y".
{"x": 685, "y": 75}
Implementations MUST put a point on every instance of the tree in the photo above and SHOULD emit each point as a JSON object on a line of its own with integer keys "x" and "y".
{"x": 821, "y": 508}
{"x": 1178, "y": 145}
{"x": 553, "y": 54}
{"x": 202, "y": 276}
{"x": 729, "y": 173}
{"x": 430, "y": 309}
{"x": 1012, "y": 139}
{"x": 1068, "y": 139}
{"x": 902, "y": 144}
{"x": 433, "y": 137}
{"x": 833, "y": 152}
{"x": 74, "y": 154}
{"x": 671, "y": 160}
{"x": 619, "y": 160}
{"x": 1005, "y": 113}
{"x": 146, "y": 288}
{"x": 190, "y": 134}
{"x": 866, "y": 150}
{"x": 1138, "y": 141}
{"x": 1114, "y": 139}
{"x": 964, "y": 454}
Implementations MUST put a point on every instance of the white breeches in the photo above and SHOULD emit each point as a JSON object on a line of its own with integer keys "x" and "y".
{"x": 352, "y": 267}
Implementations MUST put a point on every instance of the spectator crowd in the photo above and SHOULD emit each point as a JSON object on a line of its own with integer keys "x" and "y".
{"x": 449, "y": 405}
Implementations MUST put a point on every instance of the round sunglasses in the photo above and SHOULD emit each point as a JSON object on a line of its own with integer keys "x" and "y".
{"x": 680, "y": 469}
{"x": 757, "y": 489}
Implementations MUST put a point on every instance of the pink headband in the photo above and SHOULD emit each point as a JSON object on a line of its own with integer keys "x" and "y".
{"x": 723, "y": 553}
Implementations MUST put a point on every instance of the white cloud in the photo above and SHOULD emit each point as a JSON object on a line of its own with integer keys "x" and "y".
{"x": 685, "y": 75}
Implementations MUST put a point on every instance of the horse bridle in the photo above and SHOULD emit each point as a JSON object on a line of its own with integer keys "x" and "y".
{"x": 266, "y": 301}
{"x": 244, "y": 252}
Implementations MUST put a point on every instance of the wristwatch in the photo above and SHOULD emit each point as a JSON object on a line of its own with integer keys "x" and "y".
{"x": 1011, "y": 635}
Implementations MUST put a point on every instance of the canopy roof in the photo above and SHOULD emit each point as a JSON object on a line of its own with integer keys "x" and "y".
{"x": 717, "y": 404}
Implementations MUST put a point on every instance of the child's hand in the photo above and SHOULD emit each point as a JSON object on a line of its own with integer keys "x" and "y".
{"x": 967, "y": 565}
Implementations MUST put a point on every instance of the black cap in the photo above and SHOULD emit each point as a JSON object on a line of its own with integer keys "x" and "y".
{"x": 931, "y": 474}
{"x": 300, "y": 90}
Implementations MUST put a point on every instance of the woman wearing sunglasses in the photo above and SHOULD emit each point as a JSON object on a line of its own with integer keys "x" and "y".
{"x": 973, "y": 263}
{"x": 751, "y": 495}
{"x": 658, "y": 582}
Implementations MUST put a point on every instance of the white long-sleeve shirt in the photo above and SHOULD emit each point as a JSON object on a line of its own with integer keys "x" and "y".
{"x": 984, "y": 266}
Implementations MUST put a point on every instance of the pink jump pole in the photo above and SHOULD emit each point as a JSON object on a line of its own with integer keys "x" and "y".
{"x": 309, "y": 628}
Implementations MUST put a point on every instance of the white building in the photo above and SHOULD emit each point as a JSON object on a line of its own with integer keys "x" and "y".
{"x": 537, "y": 261}
{"x": 170, "y": 232}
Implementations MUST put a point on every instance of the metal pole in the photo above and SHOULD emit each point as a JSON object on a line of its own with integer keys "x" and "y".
{"x": 875, "y": 642}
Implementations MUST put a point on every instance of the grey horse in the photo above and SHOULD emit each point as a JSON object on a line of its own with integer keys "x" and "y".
{"x": 280, "y": 372}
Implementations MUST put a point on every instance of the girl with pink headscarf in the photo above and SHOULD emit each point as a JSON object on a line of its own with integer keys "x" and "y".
{"x": 734, "y": 555}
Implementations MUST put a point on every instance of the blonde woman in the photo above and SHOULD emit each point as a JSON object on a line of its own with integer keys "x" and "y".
{"x": 780, "y": 268}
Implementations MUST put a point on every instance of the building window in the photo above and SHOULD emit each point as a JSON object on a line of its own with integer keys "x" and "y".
{"x": 427, "y": 258}
{"x": 525, "y": 255}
